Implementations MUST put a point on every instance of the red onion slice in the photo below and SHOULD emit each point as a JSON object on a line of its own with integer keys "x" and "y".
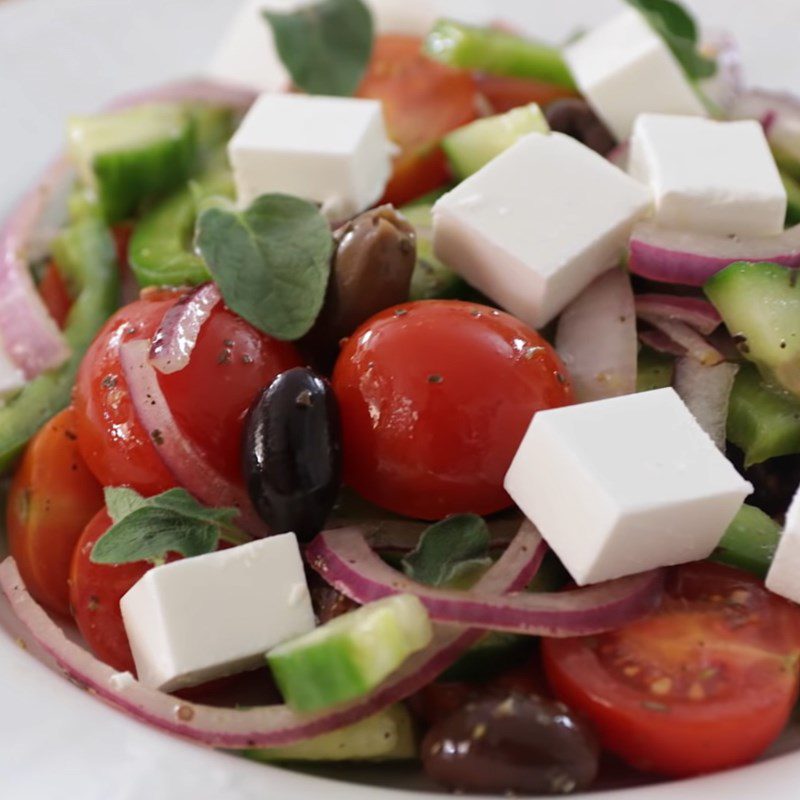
{"x": 727, "y": 84}
{"x": 596, "y": 339}
{"x": 778, "y": 112}
{"x": 181, "y": 457}
{"x": 27, "y": 331}
{"x": 345, "y": 560}
{"x": 706, "y": 390}
{"x": 266, "y": 726}
{"x": 690, "y": 259}
{"x": 685, "y": 337}
{"x": 175, "y": 340}
{"x": 694, "y": 311}
{"x": 661, "y": 343}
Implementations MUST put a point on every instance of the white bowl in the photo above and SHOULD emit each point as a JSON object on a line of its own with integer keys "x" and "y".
{"x": 71, "y": 56}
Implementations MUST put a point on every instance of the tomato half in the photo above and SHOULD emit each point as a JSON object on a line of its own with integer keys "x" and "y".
{"x": 95, "y": 593}
{"x": 55, "y": 295}
{"x": 52, "y": 498}
{"x": 435, "y": 398}
{"x": 231, "y": 363}
{"x": 422, "y": 101}
{"x": 503, "y": 93}
{"x": 705, "y": 683}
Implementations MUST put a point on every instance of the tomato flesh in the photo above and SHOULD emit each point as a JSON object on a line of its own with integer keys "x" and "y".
{"x": 504, "y": 93}
{"x": 435, "y": 398}
{"x": 706, "y": 683}
{"x": 231, "y": 363}
{"x": 55, "y": 295}
{"x": 52, "y": 498}
{"x": 422, "y": 101}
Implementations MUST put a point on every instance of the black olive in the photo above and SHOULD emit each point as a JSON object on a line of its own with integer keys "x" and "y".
{"x": 292, "y": 454}
{"x": 774, "y": 481}
{"x": 516, "y": 744}
{"x": 575, "y": 118}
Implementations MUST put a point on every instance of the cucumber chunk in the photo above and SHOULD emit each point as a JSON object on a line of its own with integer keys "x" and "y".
{"x": 472, "y": 147}
{"x": 763, "y": 422}
{"x": 351, "y": 655}
{"x": 161, "y": 250}
{"x": 496, "y": 52}
{"x": 750, "y": 542}
{"x": 760, "y": 305}
{"x": 388, "y": 736}
{"x": 127, "y": 158}
{"x": 655, "y": 371}
{"x": 792, "y": 187}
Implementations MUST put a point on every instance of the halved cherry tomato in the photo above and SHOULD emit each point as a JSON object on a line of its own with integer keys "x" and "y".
{"x": 95, "y": 592}
{"x": 231, "y": 363}
{"x": 422, "y": 101}
{"x": 52, "y": 498}
{"x": 504, "y": 93}
{"x": 435, "y": 398}
{"x": 705, "y": 683}
{"x": 55, "y": 294}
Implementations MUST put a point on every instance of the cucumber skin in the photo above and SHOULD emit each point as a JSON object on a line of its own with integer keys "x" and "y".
{"x": 87, "y": 258}
{"x": 760, "y": 304}
{"x": 763, "y": 422}
{"x": 655, "y": 371}
{"x": 750, "y": 542}
{"x": 793, "y": 195}
{"x": 161, "y": 249}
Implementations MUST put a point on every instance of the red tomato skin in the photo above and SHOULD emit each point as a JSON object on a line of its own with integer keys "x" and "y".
{"x": 55, "y": 294}
{"x": 231, "y": 363}
{"x": 422, "y": 101}
{"x": 504, "y": 93}
{"x": 52, "y": 498}
{"x": 679, "y": 736}
{"x": 435, "y": 398}
{"x": 95, "y": 594}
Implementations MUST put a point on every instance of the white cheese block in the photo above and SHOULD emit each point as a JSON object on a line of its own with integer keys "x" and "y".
{"x": 624, "y": 68}
{"x": 708, "y": 176}
{"x": 247, "y": 55}
{"x": 784, "y": 573}
{"x": 330, "y": 150}
{"x": 12, "y": 378}
{"x": 538, "y": 224}
{"x": 202, "y": 618}
{"x": 621, "y": 486}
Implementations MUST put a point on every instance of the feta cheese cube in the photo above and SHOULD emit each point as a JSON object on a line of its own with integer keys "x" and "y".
{"x": 624, "y": 68}
{"x": 247, "y": 54}
{"x": 784, "y": 573}
{"x": 625, "y": 485}
{"x": 708, "y": 176}
{"x": 330, "y": 150}
{"x": 12, "y": 378}
{"x": 202, "y": 618}
{"x": 538, "y": 224}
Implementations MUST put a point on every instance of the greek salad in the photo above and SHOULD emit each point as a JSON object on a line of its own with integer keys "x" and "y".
{"x": 411, "y": 391}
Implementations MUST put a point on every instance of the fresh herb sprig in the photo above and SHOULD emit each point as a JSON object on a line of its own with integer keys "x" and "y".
{"x": 149, "y": 528}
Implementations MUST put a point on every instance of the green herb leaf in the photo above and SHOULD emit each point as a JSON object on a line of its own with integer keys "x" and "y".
{"x": 325, "y": 46}
{"x": 147, "y": 529}
{"x": 272, "y": 262}
{"x": 452, "y": 552}
{"x": 679, "y": 30}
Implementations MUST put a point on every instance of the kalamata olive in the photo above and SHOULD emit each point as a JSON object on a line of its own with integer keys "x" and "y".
{"x": 575, "y": 118}
{"x": 372, "y": 267}
{"x": 292, "y": 455}
{"x": 518, "y": 744}
{"x": 775, "y": 481}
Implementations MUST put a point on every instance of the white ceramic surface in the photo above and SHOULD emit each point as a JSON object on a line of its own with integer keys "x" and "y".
{"x": 64, "y": 56}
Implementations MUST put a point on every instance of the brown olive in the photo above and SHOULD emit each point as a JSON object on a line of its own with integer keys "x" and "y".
{"x": 373, "y": 262}
{"x": 575, "y": 118}
{"x": 519, "y": 744}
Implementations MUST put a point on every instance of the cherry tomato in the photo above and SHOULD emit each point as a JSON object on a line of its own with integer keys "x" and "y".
{"x": 706, "y": 683}
{"x": 55, "y": 294}
{"x": 435, "y": 398}
{"x": 95, "y": 591}
{"x": 231, "y": 363}
{"x": 504, "y": 93}
{"x": 52, "y": 498}
{"x": 422, "y": 101}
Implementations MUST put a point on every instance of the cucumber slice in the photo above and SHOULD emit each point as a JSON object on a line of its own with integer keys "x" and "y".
{"x": 161, "y": 251}
{"x": 388, "y": 736}
{"x": 760, "y": 305}
{"x": 472, "y": 147}
{"x": 351, "y": 655}
{"x": 750, "y": 542}
{"x": 655, "y": 371}
{"x": 762, "y": 422}
{"x": 793, "y": 194}
{"x": 127, "y": 158}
